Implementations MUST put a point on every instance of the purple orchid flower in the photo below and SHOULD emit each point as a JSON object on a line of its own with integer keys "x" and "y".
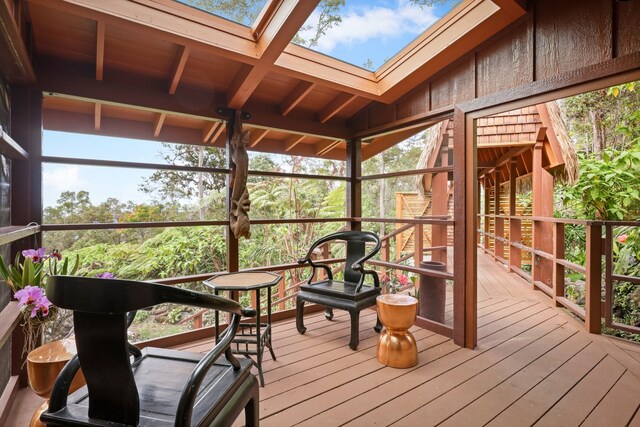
{"x": 42, "y": 306}
{"x": 106, "y": 275}
{"x": 36, "y": 255}
{"x": 29, "y": 295}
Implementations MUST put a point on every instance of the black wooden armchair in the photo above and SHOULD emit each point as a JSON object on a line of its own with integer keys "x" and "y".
{"x": 152, "y": 387}
{"x": 350, "y": 294}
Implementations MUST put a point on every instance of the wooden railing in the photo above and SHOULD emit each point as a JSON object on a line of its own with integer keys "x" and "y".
{"x": 550, "y": 266}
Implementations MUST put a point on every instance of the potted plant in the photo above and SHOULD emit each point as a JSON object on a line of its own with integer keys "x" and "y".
{"x": 27, "y": 277}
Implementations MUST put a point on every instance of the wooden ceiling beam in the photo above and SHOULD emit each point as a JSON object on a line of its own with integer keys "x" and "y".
{"x": 256, "y": 136}
{"x": 284, "y": 23}
{"x": 157, "y": 127}
{"x": 178, "y": 67}
{"x": 100, "y": 37}
{"x": 294, "y": 97}
{"x": 97, "y": 116}
{"x": 335, "y": 106}
{"x": 292, "y": 141}
{"x": 73, "y": 86}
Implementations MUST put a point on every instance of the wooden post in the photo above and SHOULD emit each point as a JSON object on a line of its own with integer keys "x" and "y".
{"x": 593, "y": 303}
{"x": 558, "y": 269}
{"x": 498, "y": 228}
{"x": 439, "y": 205}
{"x": 515, "y": 225}
{"x": 354, "y": 185}
{"x": 26, "y": 188}
{"x": 542, "y": 268}
{"x": 465, "y": 314}
{"x": 487, "y": 212}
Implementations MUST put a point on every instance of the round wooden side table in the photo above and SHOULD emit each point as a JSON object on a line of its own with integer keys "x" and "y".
{"x": 397, "y": 346}
{"x": 43, "y": 366}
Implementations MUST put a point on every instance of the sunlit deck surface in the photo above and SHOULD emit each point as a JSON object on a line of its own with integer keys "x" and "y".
{"x": 533, "y": 365}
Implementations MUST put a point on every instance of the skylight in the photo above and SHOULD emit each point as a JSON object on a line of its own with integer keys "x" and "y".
{"x": 367, "y": 33}
{"x": 243, "y": 12}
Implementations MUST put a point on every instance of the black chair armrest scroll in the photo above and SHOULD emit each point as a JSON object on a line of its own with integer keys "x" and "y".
{"x": 62, "y": 384}
{"x": 314, "y": 266}
{"x": 190, "y": 391}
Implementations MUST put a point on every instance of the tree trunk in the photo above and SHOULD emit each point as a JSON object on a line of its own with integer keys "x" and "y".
{"x": 599, "y": 141}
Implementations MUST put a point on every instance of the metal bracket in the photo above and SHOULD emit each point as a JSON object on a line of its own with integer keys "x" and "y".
{"x": 229, "y": 112}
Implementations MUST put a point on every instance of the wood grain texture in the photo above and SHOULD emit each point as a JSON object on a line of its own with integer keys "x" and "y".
{"x": 508, "y": 62}
{"x": 627, "y": 36}
{"x": 454, "y": 85}
{"x": 571, "y": 35}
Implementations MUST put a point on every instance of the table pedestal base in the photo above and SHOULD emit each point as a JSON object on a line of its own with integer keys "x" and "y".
{"x": 397, "y": 346}
{"x": 35, "y": 419}
{"x": 397, "y": 349}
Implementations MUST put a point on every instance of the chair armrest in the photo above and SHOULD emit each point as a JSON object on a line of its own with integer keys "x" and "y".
{"x": 314, "y": 267}
{"x": 60, "y": 390}
{"x": 190, "y": 391}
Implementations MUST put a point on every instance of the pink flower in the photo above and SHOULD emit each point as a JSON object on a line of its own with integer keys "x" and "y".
{"x": 29, "y": 295}
{"x": 622, "y": 238}
{"x": 36, "y": 255}
{"x": 402, "y": 279}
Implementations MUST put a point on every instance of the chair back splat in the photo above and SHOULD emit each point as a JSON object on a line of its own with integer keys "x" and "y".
{"x": 152, "y": 387}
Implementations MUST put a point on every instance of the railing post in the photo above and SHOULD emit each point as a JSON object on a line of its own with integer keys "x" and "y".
{"x": 281, "y": 290}
{"x": 594, "y": 278}
{"x": 418, "y": 248}
{"x": 515, "y": 236}
{"x": 608, "y": 272}
{"x": 558, "y": 269}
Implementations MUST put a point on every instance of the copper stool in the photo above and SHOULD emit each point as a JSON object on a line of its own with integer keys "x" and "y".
{"x": 43, "y": 366}
{"x": 397, "y": 346}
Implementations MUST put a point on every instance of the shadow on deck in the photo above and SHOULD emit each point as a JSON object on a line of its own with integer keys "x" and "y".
{"x": 533, "y": 365}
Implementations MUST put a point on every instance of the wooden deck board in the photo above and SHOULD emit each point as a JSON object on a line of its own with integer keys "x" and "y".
{"x": 533, "y": 365}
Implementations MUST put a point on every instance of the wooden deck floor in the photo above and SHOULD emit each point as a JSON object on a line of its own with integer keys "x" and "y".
{"x": 533, "y": 366}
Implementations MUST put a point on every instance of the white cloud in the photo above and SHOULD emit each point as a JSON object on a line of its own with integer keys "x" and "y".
{"x": 56, "y": 179}
{"x": 361, "y": 24}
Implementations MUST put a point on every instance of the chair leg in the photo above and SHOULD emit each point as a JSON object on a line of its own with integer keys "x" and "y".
{"x": 300, "y": 315}
{"x": 251, "y": 411}
{"x": 355, "y": 329}
{"x": 378, "y": 326}
{"x": 328, "y": 313}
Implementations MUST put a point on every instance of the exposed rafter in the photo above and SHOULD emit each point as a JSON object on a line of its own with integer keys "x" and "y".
{"x": 178, "y": 67}
{"x": 326, "y": 146}
{"x": 157, "y": 127}
{"x": 294, "y": 97}
{"x": 209, "y": 130}
{"x": 97, "y": 116}
{"x": 292, "y": 141}
{"x": 335, "y": 106}
{"x": 257, "y": 135}
{"x": 69, "y": 84}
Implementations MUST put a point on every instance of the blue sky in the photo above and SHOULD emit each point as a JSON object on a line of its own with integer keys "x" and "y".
{"x": 373, "y": 30}
{"x": 100, "y": 182}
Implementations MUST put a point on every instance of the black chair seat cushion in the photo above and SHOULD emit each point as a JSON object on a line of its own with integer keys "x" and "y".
{"x": 160, "y": 375}
{"x": 345, "y": 290}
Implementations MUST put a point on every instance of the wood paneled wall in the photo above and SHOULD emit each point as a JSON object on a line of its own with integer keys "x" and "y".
{"x": 553, "y": 42}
